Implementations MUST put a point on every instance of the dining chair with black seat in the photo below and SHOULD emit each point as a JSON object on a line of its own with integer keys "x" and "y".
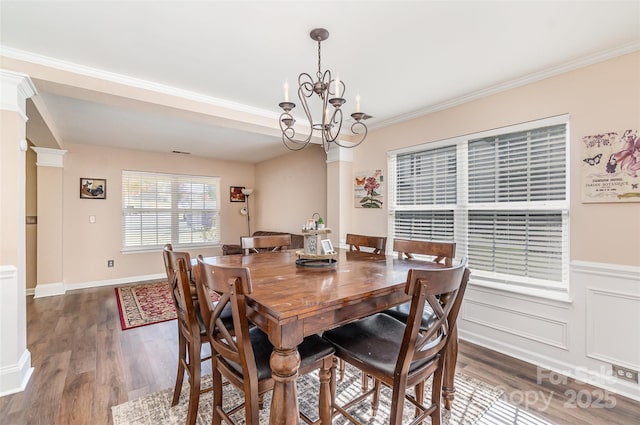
{"x": 190, "y": 339}
{"x": 436, "y": 252}
{"x": 376, "y": 244}
{"x": 403, "y": 355}
{"x": 258, "y": 244}
{"x": 243, "y": 359}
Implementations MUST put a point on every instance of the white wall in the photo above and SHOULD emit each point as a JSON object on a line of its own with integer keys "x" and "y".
{"x": 86, "y": 246}
{"x": 289, "y": 189}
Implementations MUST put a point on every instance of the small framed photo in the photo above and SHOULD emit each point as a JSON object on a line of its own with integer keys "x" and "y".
{"x": 236, "y": 194}
{"x": 327, "y": 247}
{"x": 93, "y": 188}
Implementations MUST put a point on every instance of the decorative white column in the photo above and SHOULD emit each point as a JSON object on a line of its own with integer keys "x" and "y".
{"x": 49, "y": 247}
{"x": 339, "y": 192}
{"x": 15, "y": 358}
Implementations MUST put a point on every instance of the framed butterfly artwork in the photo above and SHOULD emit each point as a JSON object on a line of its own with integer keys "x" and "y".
{"x": 611, "y": 167}
{"x": 368, "y": 189}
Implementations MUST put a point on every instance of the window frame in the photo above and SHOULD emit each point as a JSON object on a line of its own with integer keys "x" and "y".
{"x": 174, "y": 211}
{"x": 463, "y": 208}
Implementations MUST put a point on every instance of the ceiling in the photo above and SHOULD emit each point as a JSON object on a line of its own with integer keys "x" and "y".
{"x": 206, "y": 77}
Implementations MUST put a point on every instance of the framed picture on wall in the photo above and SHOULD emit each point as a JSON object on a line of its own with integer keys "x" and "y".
{"x": 93, "y": 188}
{"x": 236, "y": 194}
{"x": 368, "y": 189}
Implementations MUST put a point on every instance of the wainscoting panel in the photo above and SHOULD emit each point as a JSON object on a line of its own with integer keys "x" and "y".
{"x": 597, "y": 326}
{"x": 613, "y": 317}
{"x": 517, "y": 323}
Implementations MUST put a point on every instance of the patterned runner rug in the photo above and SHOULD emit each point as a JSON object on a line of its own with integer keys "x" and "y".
{"x": 145, "y": 304}
{"x": 472, "y": 399}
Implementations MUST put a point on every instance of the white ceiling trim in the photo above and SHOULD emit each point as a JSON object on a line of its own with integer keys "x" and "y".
{"x": 16, "y": 89}
{"x": 532, "y": 78}
{"x": 87, "y": 71}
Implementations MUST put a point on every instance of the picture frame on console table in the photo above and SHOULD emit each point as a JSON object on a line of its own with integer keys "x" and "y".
{"x": 327, "y": 247}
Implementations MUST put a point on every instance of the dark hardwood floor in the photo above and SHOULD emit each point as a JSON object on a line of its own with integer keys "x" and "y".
{"x": 85, "y": 364}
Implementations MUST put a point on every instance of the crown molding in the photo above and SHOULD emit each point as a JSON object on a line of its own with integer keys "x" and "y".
{"x": 210, "y": 100}
{"x": 508, "y": 85}
{"x": 16, "y": 89}
{"x": 125, "y": 80}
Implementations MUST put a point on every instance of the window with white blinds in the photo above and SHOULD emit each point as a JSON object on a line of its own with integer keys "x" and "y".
{"x": 500, "y": 195}
{"x": 169, "y": 208}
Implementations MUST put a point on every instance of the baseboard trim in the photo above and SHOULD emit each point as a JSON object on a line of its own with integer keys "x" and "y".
{"x": 111, "y": 282}
{"x": 53, "y": 289}
{"x": 48, "y": 289}
{"x": 14, "y": 378}
{"x": 599, "y": 379}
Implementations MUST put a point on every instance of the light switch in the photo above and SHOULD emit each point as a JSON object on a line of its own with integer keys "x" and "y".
{"x": 92, "y": 219}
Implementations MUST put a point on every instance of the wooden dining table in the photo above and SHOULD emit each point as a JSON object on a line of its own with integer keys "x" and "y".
{"x": 290, "y": 302}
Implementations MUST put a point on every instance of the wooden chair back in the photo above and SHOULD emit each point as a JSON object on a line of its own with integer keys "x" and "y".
{"x": 271, "y": 243}
{"x": 170, "y": 258}
{"x": 232, "y": 346}
{"x": 183, "y": 298}
{"x": 168, "y": 267}
{"x": 232, "y": 284}
{"x": 442, "y": 290}
{"x": 443, "y": 252}
{"x": 377, "y": 243}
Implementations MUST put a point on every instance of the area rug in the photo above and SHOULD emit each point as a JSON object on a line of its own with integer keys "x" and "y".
{"x": 472, "y": 399}
{"x": 145, "y": 304}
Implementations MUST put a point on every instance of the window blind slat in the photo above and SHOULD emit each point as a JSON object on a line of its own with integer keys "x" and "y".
{"x": 169, "y": 208}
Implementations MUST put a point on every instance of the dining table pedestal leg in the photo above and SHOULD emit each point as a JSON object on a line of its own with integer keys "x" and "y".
{"x": 284, "y": 371}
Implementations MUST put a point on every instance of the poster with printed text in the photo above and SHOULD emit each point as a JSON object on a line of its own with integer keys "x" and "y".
{"x": 611, "y": 167}
{"x": 368, "y": 189}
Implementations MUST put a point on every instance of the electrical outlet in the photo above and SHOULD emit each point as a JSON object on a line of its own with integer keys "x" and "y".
{"x": 109, "y": 263}
{"x": 624, "y": 373}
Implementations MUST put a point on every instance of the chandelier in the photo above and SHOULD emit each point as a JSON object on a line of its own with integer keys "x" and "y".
{"x": 331, "y": 92}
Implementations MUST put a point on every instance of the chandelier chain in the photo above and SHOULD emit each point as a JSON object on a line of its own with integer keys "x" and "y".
{"x": 319, "y": 74}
